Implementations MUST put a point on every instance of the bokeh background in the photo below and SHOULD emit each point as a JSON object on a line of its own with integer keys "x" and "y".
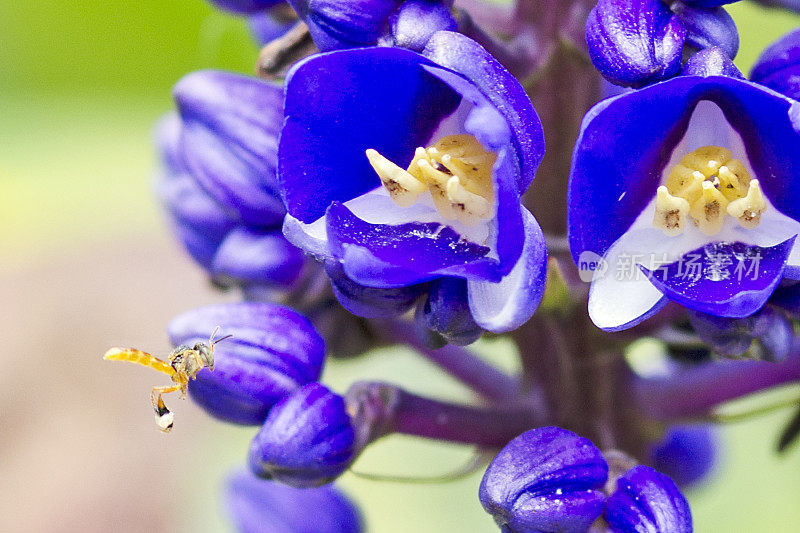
{"x": 86, "y": 262}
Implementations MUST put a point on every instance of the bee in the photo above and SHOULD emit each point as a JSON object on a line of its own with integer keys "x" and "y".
{"x": 183, "y": 365}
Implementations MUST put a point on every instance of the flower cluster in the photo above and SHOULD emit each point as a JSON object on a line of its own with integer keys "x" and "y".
{"x": 375, "y": 186}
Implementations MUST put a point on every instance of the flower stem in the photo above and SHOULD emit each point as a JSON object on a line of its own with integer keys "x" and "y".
{"x": 482, "y": 377}
{"x": 695, "y": 391}
{"x": 381, "y": 408}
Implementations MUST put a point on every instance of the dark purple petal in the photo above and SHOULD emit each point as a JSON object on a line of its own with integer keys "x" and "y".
{"x": 246, "y": 6}
{"x": 711, "y": 62}
{"x": 724, "y": 279}
{"x": 708, "y": 27}
{"x": 258, "y": 506}
{"x": 262, "y": 257}
{"x": 369, "y": 302}
{"x": 546, "y": 480}
{"x": 616, "y": 142}
{"x": 306, "y": 441}
{"x": 273, "y": 351}
{"x": 382, "y": 255}
{"x": 376, "y": 98}
{"x": 230, "y": 135}
{"x": 461, "y": 54}
{"x": 445, "y": 312}
{"x": 635, "y": 42}
{"x": 794, "y": 5}
{"x": 647, "y": 502}
{"x": 687, "y": 454}
{"x": 778, "y": 67}
{"x": 414, "y": 23}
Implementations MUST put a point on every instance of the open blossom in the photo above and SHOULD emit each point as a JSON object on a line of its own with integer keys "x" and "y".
{"x": 436, "y": 160}
{"x": 695, "y": 204}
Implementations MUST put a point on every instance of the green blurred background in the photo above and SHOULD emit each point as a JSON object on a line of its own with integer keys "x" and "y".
{"x": 86, "y": 262}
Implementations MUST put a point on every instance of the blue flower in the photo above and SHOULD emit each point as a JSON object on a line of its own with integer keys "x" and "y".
{"x": 647, "y": 502}
{"x": 356, "y": 118}
{"x": 258, "y": 506}
{"x": 273, "y": 351}
{"x": 546, "y": 480}
{"x": 685, "y": 191}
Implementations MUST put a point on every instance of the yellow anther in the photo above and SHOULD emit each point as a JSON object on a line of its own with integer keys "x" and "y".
{"x": 707, "y": 159}
{"x": 734, "y": 179}
{"x": 748, "y": 210}
{"x": 468, "y": 207}
{"x": 708, "y": 211}
{"x": 714, "y": 185}
{"x": 402, "y": 186}
{"x": 457, "y": 171}
{"x": 671, "y": 211}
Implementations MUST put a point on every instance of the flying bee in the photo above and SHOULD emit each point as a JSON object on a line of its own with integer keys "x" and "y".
{"x": 183, "y": 365}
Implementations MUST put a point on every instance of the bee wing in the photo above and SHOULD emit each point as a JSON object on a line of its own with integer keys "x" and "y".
{"x": 139, "y": 357}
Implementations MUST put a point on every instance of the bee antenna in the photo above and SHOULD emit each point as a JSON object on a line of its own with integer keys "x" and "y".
{"x": 222, "y": 339}
{"x": 213, "y": 334}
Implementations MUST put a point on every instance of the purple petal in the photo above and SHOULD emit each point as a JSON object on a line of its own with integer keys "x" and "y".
{"x": 461, "y": 54}
{"x": 376, "y": 98}
{"x": 416, "y": 21}
{"x": 504, "y": 306}
{"x": 687, "y": 454}
{"x": 260, "y": 257}
{"x": 647, "y": 501}
{"x": 230, "y": 133}
{"x": 258, "y": 506}
{"x": 246, "y": 6}
{"x": 708, "y": 27}
{"x": 370, "y": 302}
{"x": 724, "y": 279}
{"x": 273, "y": 352}
{"x": 382, "y": 255}
{"x": 778, "y": 67}
{"x": 711, "y": 62}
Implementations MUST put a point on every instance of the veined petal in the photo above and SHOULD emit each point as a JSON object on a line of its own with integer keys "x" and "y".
{"x": 732, "y": 279}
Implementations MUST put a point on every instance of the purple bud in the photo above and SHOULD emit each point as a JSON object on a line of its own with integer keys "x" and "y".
{"x": 711, "y": 62}
{"x": 687, "y": 454}
{"x": 199, "y": 222}
{"x": 370, "y": 302}
{"x": 635, "y": 42}
{"x": 306, "y": 441}
{"x": 733, "y": 337}
{"x": 258, "y": 506}
{"x": 413, "y": 24}
{"x": 647, "y": 501}
{"x": 708, "y": 27}
{"x": 246, "y": 6}
{"x": 273, "y": 352}
{"x": 230, "y": 141}
{"x": 253, "y": 257}
{"x": 347, "y": 23}
{"x": 793, "y": 5}
{"x": 545, "y": 480}
{"x": 779, "y": 65}
{"x": 445, "y": 313}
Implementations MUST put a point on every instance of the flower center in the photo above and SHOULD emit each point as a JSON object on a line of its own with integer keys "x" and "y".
{"x": 457, "y": 171}
{"x": 705, "y": 186}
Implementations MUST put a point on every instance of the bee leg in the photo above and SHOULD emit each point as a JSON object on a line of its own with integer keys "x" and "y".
{"x": 164, "y": 416}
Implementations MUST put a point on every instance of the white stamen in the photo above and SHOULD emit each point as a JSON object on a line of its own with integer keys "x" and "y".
{"x": 748, "y": 210}
{"x": 402, "y": 186}
{"x": 671, "y": 212}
